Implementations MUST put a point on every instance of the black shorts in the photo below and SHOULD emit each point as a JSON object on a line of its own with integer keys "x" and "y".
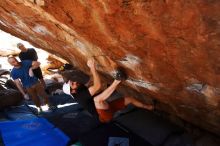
{"x": 38, "y": 73}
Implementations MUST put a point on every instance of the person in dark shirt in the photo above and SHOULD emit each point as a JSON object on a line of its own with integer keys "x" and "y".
{"x": 87, "y": 96}
{"x": 31, "y": 54}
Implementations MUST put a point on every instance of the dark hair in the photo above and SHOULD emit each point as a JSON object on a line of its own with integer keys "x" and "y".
{"x": 66, "y": 66}
{"x": 75, "y": 76}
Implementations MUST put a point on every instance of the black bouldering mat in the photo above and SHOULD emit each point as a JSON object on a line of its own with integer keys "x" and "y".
{"x": 74, "y": 124}
{"x": 111, "y": 134}
{"x": 151, "y": 127}
{"x": 20, "y": 112}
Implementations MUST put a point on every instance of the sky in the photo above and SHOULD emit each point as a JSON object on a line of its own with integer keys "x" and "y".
{"x": 8, "y": 41}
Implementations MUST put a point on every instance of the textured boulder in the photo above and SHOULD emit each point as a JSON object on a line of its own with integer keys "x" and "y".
{"x": 8, "y": 52}
{"x": 169, "y": 48}
{"x": 9, "y": 98}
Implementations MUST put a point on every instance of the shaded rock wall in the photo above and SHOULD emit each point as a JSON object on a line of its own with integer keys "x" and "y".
{"x": 170, "y": 48}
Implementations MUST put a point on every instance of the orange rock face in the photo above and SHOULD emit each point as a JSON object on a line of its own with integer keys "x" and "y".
{"x": 169, "y": 48}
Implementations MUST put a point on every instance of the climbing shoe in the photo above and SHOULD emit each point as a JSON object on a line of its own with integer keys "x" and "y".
{"x": 120, "y": 74}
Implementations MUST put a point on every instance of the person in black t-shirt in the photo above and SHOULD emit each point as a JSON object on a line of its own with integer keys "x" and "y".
{"x": 31, "y": 54}
{"x": 86, "y": 96}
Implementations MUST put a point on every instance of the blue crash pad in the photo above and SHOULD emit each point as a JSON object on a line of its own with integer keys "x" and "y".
{"x": 32, "y": 132}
